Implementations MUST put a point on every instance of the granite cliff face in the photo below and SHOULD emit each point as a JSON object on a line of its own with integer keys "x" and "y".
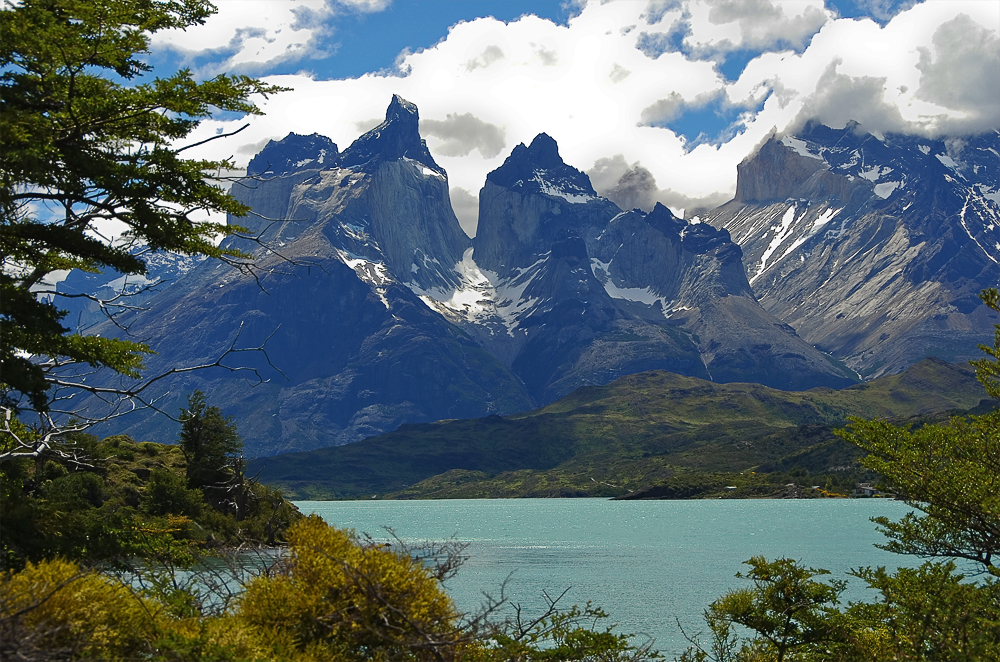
{"x": 352, "y": 351}
{"x": 569, "y": 290}
{"x": 378, "y": 310}
{"x": 872, "y": 247}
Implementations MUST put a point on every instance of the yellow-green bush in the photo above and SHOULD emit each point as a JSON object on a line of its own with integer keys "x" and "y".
{"x": 333, "y": 598}
{"x": 340, "y": 599}
{"x": 56, "y": 607}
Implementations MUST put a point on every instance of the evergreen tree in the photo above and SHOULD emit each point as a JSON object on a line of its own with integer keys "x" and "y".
{"x": 84, "y": 144}
{"x": 211, "y": 444}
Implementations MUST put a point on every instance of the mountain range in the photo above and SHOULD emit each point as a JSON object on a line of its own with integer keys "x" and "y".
{"x": 376, "y": 309}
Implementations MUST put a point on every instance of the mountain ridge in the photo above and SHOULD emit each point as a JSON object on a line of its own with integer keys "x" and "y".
{"x": 631, "y": 432}
{"x": 378, "y": 310}
{"x": 873, "y": 247}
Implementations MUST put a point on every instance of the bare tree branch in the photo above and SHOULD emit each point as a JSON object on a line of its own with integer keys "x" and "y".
{"x": 208, "y": 140}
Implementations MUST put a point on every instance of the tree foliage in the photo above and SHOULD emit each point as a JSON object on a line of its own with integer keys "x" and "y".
{"x": 988, "y": 367}
{"x": 210, "y": 442}
{"x": 924, "y": 614}
{"x": 128, "y": 506}
{"x": 90, "y": 146}
{"x": 786, "y": 609}
{"x": 337, "y": 598}
{"x": 950, "y": 472}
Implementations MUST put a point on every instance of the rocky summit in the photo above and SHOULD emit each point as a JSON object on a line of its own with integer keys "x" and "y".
{"x": 377, "y": 310}
{"x": 573, "y": 291}
{"x": 341, "y": 242}
{"x": 873, "y": 247}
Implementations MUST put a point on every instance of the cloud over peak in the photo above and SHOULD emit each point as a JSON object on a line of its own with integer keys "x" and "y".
{"x": 463, "y": 133}
{"x": 672, "y": 94}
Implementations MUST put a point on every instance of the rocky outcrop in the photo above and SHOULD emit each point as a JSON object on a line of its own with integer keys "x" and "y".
{"x": 778, "y": 171}
{"x": 596, "y": 293}
{"x": 291, "y": 153}
{"x": 398, "y": 137}
{"x": 872, "y": 247}
{"x": 694, "y": 274}
{"x": 528, "y": 201}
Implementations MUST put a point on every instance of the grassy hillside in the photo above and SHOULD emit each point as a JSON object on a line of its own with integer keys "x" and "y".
{"x": 610, "y": 440}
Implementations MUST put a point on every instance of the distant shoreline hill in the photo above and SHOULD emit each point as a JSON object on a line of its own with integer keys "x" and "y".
{"x": 681, "y": 436}
{"x": 873, "y": 247}
{"x": 377, "y": 310}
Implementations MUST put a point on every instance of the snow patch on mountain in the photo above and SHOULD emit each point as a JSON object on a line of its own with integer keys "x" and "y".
{"x": 474, "y": 299}
{"x": 512, "y": 305}
{"x": 874, "y": 173}
{"x": 423, "y": 170}
{"x": 356, "y": 232}
{"x": 965, "y": 226}
{"x": 482, "y": 296}
{"x": 781, "y": 233}
{"x": 573, "y": 196}
{"x": 850, "y": 163}
{"x": 374, "y": 273}
{"x": 885, "y": 189}
{"x": 800, "y": 147}
{"x": 644, "y": 295}
{"x": 160, "y": 267}
{"x": 823, "y": 219}
{"x": 948, "y": 162}
{"x": 989, "y": 192}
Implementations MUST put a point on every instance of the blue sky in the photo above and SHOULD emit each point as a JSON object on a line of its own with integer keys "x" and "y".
{"x": 684, "y": 89}
{"x": 359, "y": 42}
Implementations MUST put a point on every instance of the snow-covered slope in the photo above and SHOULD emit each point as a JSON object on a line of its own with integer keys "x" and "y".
{"x": 872, "y": 247}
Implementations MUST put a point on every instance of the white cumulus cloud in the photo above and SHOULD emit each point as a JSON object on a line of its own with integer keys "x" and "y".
{"x": 249, "y": 35}
{"x": 726, "y": 25}
{"x": 596, "y": 87}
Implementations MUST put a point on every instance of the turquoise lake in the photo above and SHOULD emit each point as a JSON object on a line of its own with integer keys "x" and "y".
{"x": 647, "y": 563}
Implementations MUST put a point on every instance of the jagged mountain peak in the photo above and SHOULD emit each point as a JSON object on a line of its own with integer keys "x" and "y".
{"x": 784, "y": 167}
{"x": 294, "y": 152}
{"x": 396, "y": 138}
{"x": 399, "y": 107}
{"x": 662, "y": 215}
{"x": 383, "y": 312}
{"x": 872, "y": 246}
{"x": 544, "y": 152}
{"x": 538, "y": 168}
{"x": 694, "y": 236}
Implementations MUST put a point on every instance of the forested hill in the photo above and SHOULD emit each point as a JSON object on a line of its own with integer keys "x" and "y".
{"x": 119, "y": 502}
{"x": 609, "y": 440}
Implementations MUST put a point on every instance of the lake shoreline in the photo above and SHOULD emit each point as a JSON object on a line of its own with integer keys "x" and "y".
{"x": 645, "y": 562}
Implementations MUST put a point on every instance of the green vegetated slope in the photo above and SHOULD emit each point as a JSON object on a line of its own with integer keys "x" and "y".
{"x": 116, "y": 500}
{"x": 637, "y": 431}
